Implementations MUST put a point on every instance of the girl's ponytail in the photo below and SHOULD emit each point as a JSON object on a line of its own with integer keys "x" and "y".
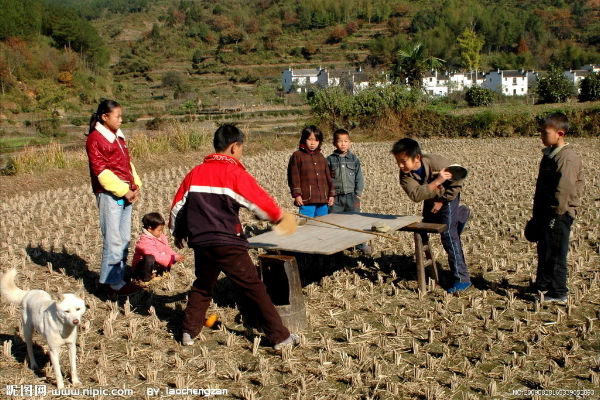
{"x": 105, "y": 107}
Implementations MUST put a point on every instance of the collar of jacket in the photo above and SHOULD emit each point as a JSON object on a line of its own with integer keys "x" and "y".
{"x": 217, "y": 157}
{"x": 339, "y": 153}
{"x": 107, "y": 133}
{"x": 306, "y": 150}
{"x": 146, "y": 232}
{"x": 553, "y": 151}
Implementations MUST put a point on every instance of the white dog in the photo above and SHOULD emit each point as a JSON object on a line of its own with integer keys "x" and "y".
{"x": 56, "y": 321}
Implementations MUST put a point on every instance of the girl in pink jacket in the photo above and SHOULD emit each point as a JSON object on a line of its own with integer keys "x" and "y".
{"x": 152, "y": 251}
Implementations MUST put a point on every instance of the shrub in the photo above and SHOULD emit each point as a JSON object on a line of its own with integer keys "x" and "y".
{"x": 477, "y": 96}
{"x": 590, "y": 88}
{"x": 154, "y": 124}
{"x": 554, "y": 87}
{"x": 172, "y": 79}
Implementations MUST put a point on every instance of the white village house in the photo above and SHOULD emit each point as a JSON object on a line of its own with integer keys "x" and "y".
{"x": 299, "y": 80}
{"x": 575, "y": 76}
{"x": 510, "y": 82}
{"x": 592, "y": 67}
{"x": 435, "y": 83}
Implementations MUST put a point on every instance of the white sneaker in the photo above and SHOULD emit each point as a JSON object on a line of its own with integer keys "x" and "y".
{"x": 293, "y": 339}
{"x": 186, "y": 339}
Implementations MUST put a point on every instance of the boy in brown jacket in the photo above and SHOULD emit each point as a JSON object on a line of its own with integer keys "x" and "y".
{"x": 557, "y": 195}
{"x": 424, "y": 178}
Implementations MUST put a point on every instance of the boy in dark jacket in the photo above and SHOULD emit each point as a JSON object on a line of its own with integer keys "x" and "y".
{"x": 205, "y": 214}
{"x": 424, "y": 178}
{"x": 557, "y": 195}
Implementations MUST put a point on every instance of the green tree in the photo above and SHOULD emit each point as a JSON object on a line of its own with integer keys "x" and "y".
{"x": 590, "y": 88}
{"x": 470, "y": 44}
{"x": 411, "y": 64}
{"x": 554, "y": 87}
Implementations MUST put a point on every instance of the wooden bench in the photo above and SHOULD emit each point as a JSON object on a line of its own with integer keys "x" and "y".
{"x": 424, "y": 257}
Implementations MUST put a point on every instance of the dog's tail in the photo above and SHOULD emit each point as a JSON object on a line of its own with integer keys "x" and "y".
{"x": 10, "y": 291}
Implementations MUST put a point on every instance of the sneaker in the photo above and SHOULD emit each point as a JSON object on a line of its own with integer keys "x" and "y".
{"x": 292, "y": 340}
{"x": 556, "y": 299}
{"x": 464, "y": 213}
{"x": 459, "y": 287}
{"x": 186, "y": 339}
{"x": 127, "y": 289}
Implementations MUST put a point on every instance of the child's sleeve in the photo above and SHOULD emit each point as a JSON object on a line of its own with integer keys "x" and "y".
{"x": 294, "y": 176}
{"x": 566, "y": 189}
{"x": 255, "y": 198}
{"x": 330, "y": 185}
{"x": 415, "y": 191}
{"x": 359, "y": 179}
{"x": 136, "y": 178}
{"x": 177, "y": 216}
{"x": 449, "y": 189}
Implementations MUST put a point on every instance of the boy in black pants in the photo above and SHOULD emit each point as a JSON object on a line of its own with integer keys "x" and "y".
{"x": 424, "y": 178}
{"x": 557, "y": 195}
{"x": 205, "y": 214}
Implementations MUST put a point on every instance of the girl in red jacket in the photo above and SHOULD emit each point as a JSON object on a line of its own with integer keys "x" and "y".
{"x": 116, "y": 186}
{"x": 152, "y": 251}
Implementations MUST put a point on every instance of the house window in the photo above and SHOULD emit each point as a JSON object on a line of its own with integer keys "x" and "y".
{"x": 514, "y": 81}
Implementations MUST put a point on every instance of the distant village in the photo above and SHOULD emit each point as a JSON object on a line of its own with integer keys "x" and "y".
{"x": 435, "y": 83}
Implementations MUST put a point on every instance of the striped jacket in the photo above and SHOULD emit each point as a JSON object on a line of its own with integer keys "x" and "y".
{"x": 206, "y": 206}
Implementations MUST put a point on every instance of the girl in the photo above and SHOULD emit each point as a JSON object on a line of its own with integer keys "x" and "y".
{"x": 308, "y": 175}
{"x": 116, "y": 186}
{"x": 152, "y": 252}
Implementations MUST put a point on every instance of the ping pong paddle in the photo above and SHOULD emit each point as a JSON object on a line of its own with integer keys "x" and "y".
{"x": 458, "y": 172}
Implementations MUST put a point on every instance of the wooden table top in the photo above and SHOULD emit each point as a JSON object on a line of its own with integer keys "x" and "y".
{"x": 318, "y": 238}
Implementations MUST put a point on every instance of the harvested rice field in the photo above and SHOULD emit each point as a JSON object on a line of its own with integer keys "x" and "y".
{"x": 372, "y": 334}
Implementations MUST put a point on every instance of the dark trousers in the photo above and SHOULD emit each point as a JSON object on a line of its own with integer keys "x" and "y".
{"x": 345, "y": 203}
{"x": 552, "y": 249}
{"x": 147, "y": 265}
{"x": 235, "y": 262}
{"x": 450, "y": 214}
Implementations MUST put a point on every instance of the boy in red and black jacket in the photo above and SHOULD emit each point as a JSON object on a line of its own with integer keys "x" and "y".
{"x": 205, "y": 214}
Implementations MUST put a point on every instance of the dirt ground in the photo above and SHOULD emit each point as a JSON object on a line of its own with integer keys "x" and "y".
{"x": 371, "y": 335}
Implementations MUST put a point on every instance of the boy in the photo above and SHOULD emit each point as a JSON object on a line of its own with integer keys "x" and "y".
{"x": 557, "y": 195}
{"x": 424, "y": 178}
{"x": 205, "y": 214}
{"x": 347, "y": 178}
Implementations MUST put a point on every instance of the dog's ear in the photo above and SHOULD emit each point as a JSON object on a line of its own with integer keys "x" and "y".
{"x": 60, "y": 298}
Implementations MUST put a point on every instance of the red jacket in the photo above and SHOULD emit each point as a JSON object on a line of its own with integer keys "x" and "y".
{"x": 150, "y": 245}
{"x": 206, "y": 206}
{"x": 107, "y": 150}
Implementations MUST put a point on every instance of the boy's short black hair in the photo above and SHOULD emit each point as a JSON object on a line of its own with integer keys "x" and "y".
{"x": 225, "y": 135}
{"x": 339, "y": 132}
{"x": 306, "y": 132}
{"x": 556, "y": 120}
{"x": 408, "y": 146}
{"x": 152, "y": 220}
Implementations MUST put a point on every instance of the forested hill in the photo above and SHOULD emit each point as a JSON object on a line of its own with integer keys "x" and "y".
{"x": 87, "y": 45}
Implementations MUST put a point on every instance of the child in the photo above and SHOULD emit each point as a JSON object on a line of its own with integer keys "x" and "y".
{"x": 152, "y": 252}
{"x": 557, "y": 195}
{"x": 308, "y": 175}
{"x": 424, "y": 178}
{"x": 347, "y": 177}
{"x": 116, "y": 186}
{"x": 205, "y": 214}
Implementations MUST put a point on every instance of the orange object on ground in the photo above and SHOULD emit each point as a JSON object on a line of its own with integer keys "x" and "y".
{"x": 210, "y": 321}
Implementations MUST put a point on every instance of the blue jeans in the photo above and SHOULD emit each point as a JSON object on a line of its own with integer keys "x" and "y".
{"x": 552, "y": 248}
{"x": 115, "y": 224}
{"x": 314, "y": 210}
{"x": 450, "y": 214}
